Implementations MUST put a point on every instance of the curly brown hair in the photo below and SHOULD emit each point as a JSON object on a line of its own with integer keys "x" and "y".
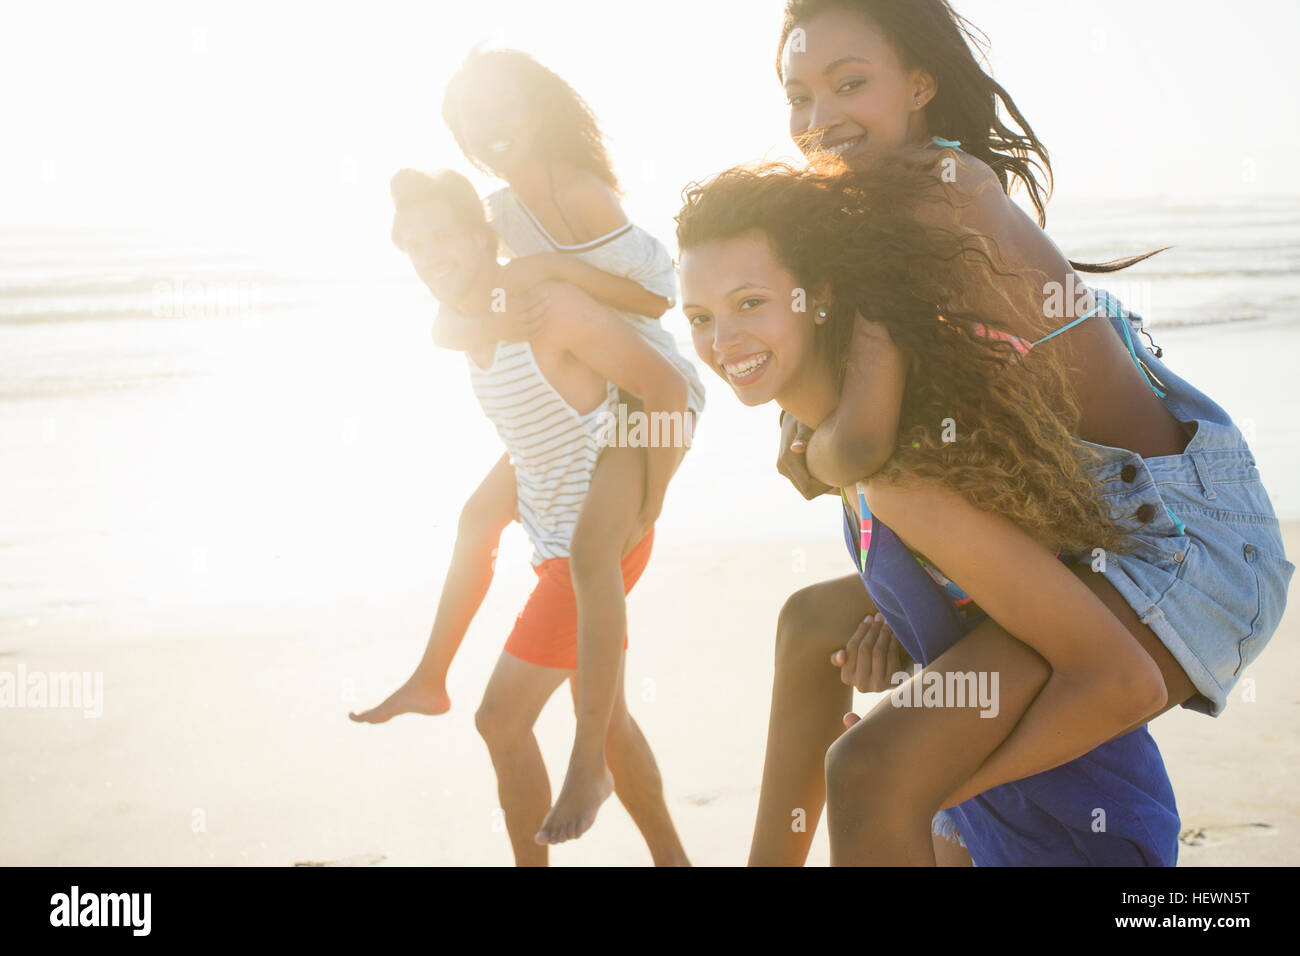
{"x": 857, "y": 239}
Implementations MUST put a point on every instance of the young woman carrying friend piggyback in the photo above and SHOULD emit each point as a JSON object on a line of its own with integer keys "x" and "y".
{"x": 932, "y": 313}
{"x": 574, "y": 255}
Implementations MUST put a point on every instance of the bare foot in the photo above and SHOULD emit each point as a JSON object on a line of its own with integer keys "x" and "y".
{"x": 575, "y": 809}
{"x": 410, "y": 698}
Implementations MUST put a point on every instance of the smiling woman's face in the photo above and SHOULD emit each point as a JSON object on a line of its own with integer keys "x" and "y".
{"x": 496, "y": 125}
{"x": 848, "y": 90}
{"x": 740, "y": 303}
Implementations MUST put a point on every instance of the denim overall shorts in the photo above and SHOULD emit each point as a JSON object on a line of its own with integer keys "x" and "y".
{"x": 1209, "y": 573}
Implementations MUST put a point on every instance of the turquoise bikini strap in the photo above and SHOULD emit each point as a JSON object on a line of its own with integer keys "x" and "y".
{"x": 1128, "y": 341}
{"x": 946, "y": 143}
{"x": 1064, "y": 328}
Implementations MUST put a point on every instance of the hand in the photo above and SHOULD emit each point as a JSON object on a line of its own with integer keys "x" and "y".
{"x": 525, "y": 272}
{"x": 790, "y": 459}
{"x": 537, "y": 302}
{"x": 872, "y": 657}
{"x": 522, "y": 323}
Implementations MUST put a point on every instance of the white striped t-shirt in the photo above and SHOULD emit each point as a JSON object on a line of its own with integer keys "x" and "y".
{"x": 552, "y": 446}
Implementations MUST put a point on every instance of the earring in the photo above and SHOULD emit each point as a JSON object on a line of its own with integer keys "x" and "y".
{"x": 821, "y": 313}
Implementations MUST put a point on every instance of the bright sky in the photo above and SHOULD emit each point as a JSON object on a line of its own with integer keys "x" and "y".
{"x": 259, "y": 114}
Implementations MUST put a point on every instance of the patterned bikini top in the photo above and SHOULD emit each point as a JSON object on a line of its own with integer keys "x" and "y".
{"x": 963, "y": 603}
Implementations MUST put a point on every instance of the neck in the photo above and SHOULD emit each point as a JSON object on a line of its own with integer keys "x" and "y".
{"x": 813, "y": 398}
{"x": 920, "y": 131}
{"x": 532, "y": 183}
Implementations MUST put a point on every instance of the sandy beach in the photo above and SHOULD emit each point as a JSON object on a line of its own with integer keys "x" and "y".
{"x": 232, "y": 461}
{"x": 242, "y": 524}
{"x": 232, "y": 747}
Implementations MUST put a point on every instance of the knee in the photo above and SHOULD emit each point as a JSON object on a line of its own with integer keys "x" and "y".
{"x": 862, "y": 766}
{"x": 802, "y": 631}
{"x": 592, "y": 552}
{"x": 870, "y": 771}
{"x": 852, "y": 763}
{"x": 495, "y": 724}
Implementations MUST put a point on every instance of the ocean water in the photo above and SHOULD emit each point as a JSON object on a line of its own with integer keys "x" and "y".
{"x": 187, "y": 422}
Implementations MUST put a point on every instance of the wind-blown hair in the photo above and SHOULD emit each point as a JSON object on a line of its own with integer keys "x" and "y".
{"x": 854, "y": 239}
{"x": 568, "y": 132}
{"x": 932, "y": 36}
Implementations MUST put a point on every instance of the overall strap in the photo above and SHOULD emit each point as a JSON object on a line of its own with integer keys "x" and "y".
{"x": 1115, "y": 310}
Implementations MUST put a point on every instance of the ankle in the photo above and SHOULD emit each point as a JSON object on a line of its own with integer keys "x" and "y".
{"x": 588, "y": 760}
{"x": 431, "y": 680}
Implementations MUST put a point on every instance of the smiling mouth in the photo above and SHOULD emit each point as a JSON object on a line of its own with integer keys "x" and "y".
{"x": 841, "y": 147}
{"x": 744, "y": 372}
{"x": 500, "y": 146}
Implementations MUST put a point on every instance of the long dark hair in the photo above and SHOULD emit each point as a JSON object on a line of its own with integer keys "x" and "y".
{"x": 855, "y": 237}
{"x": 569, "y": 131}
{"x": 931, "y": 35}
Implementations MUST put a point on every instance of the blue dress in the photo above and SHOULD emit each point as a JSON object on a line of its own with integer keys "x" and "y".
{"x": 1113, "y": 806}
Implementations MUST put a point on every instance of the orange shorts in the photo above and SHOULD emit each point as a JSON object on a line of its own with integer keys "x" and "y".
{"x": 546, "y": 631}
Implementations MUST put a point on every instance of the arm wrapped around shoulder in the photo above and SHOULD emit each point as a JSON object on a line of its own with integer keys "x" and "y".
{"x": 860, "y": 435}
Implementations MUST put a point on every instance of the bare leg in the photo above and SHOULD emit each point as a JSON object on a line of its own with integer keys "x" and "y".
{"x": 1016, "y": 757}
{"x": 950, "y": 852}
{"x": 885, "y": 820}
{"x": 607, "y": 522}
{"x": 889, "y": 774}
{"x": 808, "y": 704}
{"x": 639, "y": 786}
{"x": 484, "y": 517}
{"x": 515, "y": 695}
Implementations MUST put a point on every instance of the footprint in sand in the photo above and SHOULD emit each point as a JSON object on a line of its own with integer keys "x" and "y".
{"x": 361, "y": 859}
{"x": 706, "y": 797}
{"x": 1228, "y": 833}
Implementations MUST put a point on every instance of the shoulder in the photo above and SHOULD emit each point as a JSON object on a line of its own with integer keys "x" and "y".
{"x": 973, "y": 173}
{"x": 974, "y": 192}
{"x": 926, "y": 514}
{"x": 593, "y": 202}
{"x": 900, "y": 502}
{"x": 974, "y": 203}
{"x": 944, "y": 524}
